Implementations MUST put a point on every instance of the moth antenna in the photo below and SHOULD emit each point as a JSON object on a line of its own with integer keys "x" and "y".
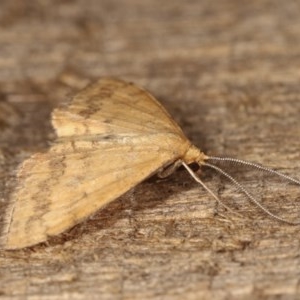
{"x": 197, "y": 179}
{"x": 243, "y": 189}
{"x": 255, "y": 165}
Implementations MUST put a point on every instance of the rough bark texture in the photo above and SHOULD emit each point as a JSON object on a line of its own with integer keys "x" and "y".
{"x": 228, "y": 71}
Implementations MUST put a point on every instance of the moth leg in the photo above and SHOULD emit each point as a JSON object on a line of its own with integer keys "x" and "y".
{"x": 166, "y": 171}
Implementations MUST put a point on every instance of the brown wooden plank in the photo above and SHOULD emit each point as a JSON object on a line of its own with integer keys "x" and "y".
{"x": 228, "y": 71}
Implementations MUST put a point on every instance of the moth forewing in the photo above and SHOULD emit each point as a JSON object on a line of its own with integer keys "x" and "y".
{"x": 98, "y": 155}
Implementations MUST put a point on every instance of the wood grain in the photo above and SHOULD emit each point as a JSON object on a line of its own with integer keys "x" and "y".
{"x": 229, "y": 73}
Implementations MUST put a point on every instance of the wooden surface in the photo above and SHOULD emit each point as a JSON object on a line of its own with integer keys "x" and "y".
{"x": 228, "y": 71}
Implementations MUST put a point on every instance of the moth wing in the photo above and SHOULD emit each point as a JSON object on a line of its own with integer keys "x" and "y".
{"x": 111, "y": 136}
{"x": 60, "y": 188}
{"x": 112, "y": 106}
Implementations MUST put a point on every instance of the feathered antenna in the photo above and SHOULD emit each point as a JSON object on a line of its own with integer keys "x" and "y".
{"x": 241, "y": 187}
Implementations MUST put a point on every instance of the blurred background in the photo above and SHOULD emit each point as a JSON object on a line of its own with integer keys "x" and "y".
{"x": 209, "y": 56}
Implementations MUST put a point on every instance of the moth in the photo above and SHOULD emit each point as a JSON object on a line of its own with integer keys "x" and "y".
{"x": 110, "y": 137}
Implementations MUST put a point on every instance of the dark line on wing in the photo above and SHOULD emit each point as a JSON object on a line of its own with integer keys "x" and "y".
{"x": 68, "y": 155}
{"x": 156, "y": 124}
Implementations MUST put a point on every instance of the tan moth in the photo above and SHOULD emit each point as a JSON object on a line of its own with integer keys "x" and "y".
{"x": 110, "y": 137}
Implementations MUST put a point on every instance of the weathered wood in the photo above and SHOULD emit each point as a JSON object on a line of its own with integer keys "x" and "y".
{"x": 228, "y": 71}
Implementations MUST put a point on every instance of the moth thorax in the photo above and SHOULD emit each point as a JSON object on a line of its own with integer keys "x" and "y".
{"x": 194, "y": 154}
